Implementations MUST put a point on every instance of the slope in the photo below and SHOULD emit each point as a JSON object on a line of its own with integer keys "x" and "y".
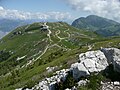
{"x": 100, "y": 25}
{"x": 27, "y": 51}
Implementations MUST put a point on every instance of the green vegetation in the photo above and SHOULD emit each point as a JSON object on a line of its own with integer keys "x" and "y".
{"x": 100, "y": 25}
{"x": 68, "y": 83}
{"x": 94, "y": 82}
{"x": 28, "y": 51}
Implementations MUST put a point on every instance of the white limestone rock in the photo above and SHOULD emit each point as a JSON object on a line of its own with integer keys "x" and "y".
{"x": 49, "y": 83}
{"x": 89, "y": 62}
{"x": 79, "y": 70}
{"x": 116, "y": 83}
{"x": 51, "y": 69}
{"x": 96, "y": 56}
{"x": 82, "y": 82}
{"x": 92, "y": 61}
{"x": 110, "y": 86}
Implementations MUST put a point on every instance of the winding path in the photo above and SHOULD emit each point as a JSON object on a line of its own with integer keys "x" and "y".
{"x": 49, "y": 33}
{"x": 42, "y": 53}
{"x": 58, "y": 32}
{"x": 49, "y": 46}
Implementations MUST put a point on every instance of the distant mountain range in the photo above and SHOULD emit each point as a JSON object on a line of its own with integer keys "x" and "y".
{"x": 7, "y": 25}
{"x": 100, "y": 25}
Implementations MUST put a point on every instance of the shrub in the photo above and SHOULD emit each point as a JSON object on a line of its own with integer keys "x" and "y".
{"x": 68, "y": 83}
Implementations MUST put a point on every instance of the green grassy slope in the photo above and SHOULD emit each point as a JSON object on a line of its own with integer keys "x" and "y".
{"x": 100, "y": 25}
{"x": 28, "y": 50}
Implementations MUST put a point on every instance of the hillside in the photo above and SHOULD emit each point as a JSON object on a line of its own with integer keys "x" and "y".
{"x": 7, "y": 25}
{"x": 100, "y": 25}
{"x": 27, "y": 51}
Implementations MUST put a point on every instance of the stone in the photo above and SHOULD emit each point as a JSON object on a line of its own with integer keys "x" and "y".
{"x": 113, "y": 57}
{"x": 97, "y": 56}
{"x": 110, "y": 86}
{"x": 82, "y": 82}
{"x": 79, "y": 70}
{"x": 51, "y": 69}
{"x": 89, "y": 62}
{"x": 116, "y": 83}
{"x": 52, "y": 86}
{"x": 50, "y": 83}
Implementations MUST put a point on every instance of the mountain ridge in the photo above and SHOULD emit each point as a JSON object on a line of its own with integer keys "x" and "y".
{"x": 28, "y": 50}
{"x": 100, "y": 25}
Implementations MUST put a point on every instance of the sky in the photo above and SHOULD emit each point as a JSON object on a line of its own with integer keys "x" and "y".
{"x": 56, "y": 10}
{"x": 59, "y": 10}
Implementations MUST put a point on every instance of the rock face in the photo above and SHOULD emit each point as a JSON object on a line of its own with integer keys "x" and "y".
{"x": 89, "y": 62}
{"x": 92, "y": 61}
{"x": 50, "y": 83}
{"x": 96, "y": 61}
{"x": 110, "y": 86}
{"x": 79, "y": 70}
{"x": 113, "y": 57}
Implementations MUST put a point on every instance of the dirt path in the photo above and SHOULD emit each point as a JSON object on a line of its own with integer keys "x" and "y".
{"x": 49, "y": 33}
{"x": 58, "y": 32}
{"x": 42, "y": 53}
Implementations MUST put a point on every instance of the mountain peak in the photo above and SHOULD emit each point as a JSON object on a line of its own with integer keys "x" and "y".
{"x": 92, "y": 16}
{"x": 101, "y": 25}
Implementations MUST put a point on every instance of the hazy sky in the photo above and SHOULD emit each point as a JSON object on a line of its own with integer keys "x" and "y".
{"x": 66, "y": 10}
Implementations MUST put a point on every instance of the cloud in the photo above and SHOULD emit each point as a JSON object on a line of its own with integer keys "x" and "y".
{"x": 15, "y": 14}
{"x": 106, "y": 8}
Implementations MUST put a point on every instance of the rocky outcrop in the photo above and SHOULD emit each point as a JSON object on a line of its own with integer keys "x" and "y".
{"x": 89, "y": 62}
{"x": 96, "y": 61}
{"x": 113, "y": 57}
{"x": 110, "y": 86}
{"x": 79, "y": 70}
{"x": 50, "y": 83}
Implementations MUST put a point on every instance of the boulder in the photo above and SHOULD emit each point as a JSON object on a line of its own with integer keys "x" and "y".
{"x": 79, "y": 70}
{"x": 113, "y": 57}
{"x": 89, "y": 62}
{"x": 96, "y": 56}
